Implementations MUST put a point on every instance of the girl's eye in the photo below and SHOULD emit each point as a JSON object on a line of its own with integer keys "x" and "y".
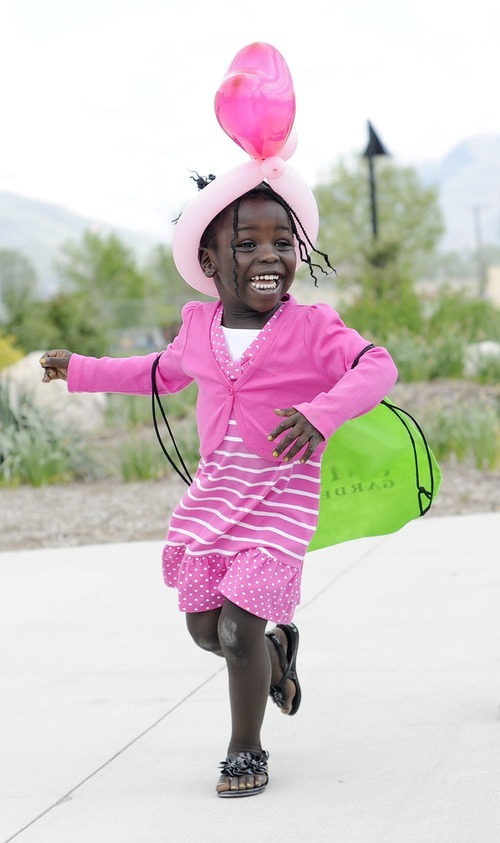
{"x": 284, "y": 244}
{"x": 245, "y": 244}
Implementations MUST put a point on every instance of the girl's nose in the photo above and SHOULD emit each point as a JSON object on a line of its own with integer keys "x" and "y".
{"x": 269, "y": 255}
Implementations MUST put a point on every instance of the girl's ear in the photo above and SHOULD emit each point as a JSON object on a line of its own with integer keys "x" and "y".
{"x": 206, "y": 262}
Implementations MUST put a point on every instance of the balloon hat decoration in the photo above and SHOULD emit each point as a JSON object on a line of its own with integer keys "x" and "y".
{"x": 255, "y": 105}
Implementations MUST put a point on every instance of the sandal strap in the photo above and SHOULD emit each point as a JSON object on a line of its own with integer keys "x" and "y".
{"x": 245, "y": 763}
{"x": 276, "y": 691}
{"x": 281, "y": 650}
{"x": 287, "y": 658}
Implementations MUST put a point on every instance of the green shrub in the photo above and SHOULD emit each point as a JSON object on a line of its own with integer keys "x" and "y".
{"x": 129, "y": 411}
{"x": 137, "y": 455}
{"x": 471, "y": 432}
{"x": 418, "y": 359}
{"x": 9, "y": 351}
{"x": 141, "y": 460}
{"x": 34, "y": 450}
{"x": 488, "y": 371}
{"x": 467, "y": 318}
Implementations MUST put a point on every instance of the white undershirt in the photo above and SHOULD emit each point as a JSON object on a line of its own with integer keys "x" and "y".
{"x": 238, "y": 340}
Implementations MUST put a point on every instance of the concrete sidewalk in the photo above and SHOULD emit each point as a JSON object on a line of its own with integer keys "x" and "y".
{"x": 112, "y": 722}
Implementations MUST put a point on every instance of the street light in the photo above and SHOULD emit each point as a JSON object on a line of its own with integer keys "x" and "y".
{"x": 374, "y": 147}
{"x": 481, "y": 264}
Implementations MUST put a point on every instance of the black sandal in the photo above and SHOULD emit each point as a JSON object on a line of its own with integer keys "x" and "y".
{"x": 288, "y": 661}
{"x": 245, "y": 764}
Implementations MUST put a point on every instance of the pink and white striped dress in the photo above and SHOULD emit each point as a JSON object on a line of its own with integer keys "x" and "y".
{"x": 243, "y": 527}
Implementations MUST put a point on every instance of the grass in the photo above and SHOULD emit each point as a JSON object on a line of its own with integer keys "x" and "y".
{"x": 139, "y": 459}
{"x": 136, "y": 454}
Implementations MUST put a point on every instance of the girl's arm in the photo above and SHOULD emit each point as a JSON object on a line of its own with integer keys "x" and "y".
{"x": 357, "y": 392}
{"x": 130, "y": 375}
{"x": 333, "y": 348}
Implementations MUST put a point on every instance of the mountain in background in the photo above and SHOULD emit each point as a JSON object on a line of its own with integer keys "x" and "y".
{"x": 38, "y": 230}
{"x": 468, "y": 182}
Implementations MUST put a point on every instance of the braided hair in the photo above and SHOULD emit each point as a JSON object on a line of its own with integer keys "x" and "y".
{"x": 262, "y": 191}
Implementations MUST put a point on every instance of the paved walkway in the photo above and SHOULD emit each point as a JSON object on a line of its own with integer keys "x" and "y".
{"x": 112, "y": 723}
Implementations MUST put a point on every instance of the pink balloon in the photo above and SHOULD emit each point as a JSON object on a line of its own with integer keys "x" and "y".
{"x": 290, "y": 146}
{"x": 255, "y": 104}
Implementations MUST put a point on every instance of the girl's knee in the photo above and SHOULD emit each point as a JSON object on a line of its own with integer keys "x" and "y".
{"x": 205, "y": 642}
{"x": 240, "y": 633}
{"x": 204, "y": 634}
{"x": 229, "y": 636}
{"x": 236, "y": 641}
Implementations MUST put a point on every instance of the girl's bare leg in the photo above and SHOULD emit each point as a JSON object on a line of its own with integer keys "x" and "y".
{"x": 253, "y": 665}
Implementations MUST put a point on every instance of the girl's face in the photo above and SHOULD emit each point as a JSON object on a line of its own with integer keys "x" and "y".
{"x": 266, "y": 261}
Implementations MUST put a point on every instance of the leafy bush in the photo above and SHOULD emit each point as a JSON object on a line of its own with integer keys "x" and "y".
{"x": 135, "y": 410}
{"x": 34, "y": 451}
{"x": 141, "y": 460}
{"x": 466, "y": 432}
{"x": 138, "y": 455}
{"x": 471, "y": 319}
{"x": 488, "y": 371}
{"x": 9, "y": 352}
{"x": 419, "y": 360}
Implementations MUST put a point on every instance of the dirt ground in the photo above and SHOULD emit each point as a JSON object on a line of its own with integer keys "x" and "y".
{"x": 113, "y": 511}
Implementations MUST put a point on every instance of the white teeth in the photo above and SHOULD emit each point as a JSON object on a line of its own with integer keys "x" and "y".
{"x": 265, "y": 282}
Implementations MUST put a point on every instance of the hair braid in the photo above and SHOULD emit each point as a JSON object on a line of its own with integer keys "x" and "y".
{"x": 302, "y": 241}
{"x": 305, "y": 246}
{"x": 236, "y": 209}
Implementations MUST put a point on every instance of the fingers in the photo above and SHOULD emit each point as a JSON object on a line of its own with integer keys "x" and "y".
{"x": 55, "y": 365}
{"x": 298, "y": 432}
{"x": 49, "y": 375}
{"x": 58, "y": 359}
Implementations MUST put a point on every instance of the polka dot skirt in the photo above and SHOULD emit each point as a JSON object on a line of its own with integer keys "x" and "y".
{"x": 252, "y": 579}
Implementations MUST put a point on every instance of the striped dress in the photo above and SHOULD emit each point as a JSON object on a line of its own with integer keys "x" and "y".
{"x": 243, "y": 527}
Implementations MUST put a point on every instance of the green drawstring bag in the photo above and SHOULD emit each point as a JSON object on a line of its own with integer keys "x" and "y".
{"x": 377, "y": 474}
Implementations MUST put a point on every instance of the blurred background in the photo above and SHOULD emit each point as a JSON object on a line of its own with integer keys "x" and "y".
{"x": 107, "y": 111}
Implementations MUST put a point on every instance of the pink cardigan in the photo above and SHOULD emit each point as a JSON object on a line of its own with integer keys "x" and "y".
{"x": 305, "y": 363}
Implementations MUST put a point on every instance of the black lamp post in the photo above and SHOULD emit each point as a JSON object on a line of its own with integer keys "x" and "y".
{"x": 374, "y": 147}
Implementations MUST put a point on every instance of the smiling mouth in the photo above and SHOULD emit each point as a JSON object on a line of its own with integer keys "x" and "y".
{"x": 264, "y": 282}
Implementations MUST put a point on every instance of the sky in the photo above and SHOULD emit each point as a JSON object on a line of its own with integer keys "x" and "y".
{"x": 107, "y": 105}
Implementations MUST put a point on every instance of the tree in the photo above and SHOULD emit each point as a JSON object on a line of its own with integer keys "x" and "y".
{"x": 386, "y": 301}
{"x": 18, "y": 286}
{"x": 104, "y": 271}
{"x": 379, "y": 273}
{"x": 74, "y": 322}
{"x": 173, "y": 292}
{"x": 408, "y": 213}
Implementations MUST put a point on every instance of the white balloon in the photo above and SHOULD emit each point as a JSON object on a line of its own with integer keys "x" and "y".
{"x": 223, "y": 191}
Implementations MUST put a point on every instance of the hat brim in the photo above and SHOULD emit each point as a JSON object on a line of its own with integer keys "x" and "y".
{"x": 220, "y": 193}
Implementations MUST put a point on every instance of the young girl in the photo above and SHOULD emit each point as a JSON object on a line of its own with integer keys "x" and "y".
{"x": 275, "y": 382}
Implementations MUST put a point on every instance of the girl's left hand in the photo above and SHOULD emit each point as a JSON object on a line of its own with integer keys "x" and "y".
{"x": 300, "y": 433}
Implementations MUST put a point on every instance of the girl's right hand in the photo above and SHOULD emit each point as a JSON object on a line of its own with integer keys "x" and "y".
{"x": 55, "y": 365}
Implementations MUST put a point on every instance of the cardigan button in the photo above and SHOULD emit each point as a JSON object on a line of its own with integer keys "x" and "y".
{"x": 231, "y": 390}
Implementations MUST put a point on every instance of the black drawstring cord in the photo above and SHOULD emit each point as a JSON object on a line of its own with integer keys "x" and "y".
{"x": 421, "y": 490}
{"x": 155, "y": 399}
